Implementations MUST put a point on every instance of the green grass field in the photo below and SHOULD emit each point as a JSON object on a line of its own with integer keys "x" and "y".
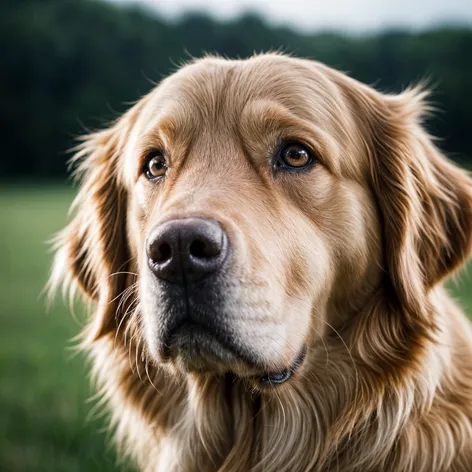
{"x": 43, "y": 388}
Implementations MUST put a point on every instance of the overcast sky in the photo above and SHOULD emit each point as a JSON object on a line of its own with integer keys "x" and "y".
{"x": 349, "y": 15}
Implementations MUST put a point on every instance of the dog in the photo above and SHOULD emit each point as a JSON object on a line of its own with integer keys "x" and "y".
{"x": 263, "y": 243}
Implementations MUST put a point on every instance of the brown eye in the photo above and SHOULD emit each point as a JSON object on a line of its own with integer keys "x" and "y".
{"x": 155, "y": 165}
{"x": 294, "y": 156}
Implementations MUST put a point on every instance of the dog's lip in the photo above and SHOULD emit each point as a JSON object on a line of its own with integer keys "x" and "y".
{"x": 230, "y": 352}
{"x": 229, "y": 349}
{"x": 277, "y": 378}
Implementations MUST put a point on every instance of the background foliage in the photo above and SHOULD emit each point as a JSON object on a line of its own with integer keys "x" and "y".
{"x": 71, "y": 64}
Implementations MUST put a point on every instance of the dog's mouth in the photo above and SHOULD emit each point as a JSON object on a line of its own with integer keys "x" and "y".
{"x": 277, "y": 378}
{"x": 198, "y": 349}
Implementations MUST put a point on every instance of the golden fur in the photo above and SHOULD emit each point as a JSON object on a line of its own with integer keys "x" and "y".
{"x": 348, "y": 258}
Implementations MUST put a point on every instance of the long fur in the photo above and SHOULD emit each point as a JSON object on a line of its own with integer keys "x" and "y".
{"x": 390, "y": 389}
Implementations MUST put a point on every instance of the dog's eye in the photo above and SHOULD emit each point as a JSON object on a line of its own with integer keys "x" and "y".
{"x": 155, "y": 166}
{"x": 294, "y": 156}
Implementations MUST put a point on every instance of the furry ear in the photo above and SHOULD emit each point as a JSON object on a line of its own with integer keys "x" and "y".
{"x": 93, "y": 248}
{"x": 425, "y": 201}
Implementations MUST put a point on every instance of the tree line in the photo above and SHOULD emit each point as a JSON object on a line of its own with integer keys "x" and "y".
{"x": 70, "y": 65}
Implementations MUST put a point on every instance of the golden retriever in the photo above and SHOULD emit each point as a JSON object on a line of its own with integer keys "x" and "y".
{"x": 264, "y": 244}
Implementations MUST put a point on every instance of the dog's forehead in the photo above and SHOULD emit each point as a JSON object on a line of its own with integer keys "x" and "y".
{"x": 214, "y": 90}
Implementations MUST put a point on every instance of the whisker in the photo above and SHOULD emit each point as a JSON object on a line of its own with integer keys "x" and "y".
{"x": 121, "y": 293}
{"x": 130, "y": 307}
{"x": 124, "y": 297}
{"x": 138, "y": 344}
{"x": 122, "y": 273}
{"x": 356, "y": 371}
{"x": 146, "y": 367}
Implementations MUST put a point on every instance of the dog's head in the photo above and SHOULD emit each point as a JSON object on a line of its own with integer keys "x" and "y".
{"x": 242, "y": 207}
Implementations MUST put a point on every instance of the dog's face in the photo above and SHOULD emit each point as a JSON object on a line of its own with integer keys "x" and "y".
{"x": 256, "y": 202}
{"x": 245, "y": 217}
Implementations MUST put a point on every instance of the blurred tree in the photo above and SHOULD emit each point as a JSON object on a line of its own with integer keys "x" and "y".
{"x": 70, "y": 64}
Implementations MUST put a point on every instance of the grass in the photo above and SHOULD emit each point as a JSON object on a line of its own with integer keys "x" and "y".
{"x": 43, "y": 388}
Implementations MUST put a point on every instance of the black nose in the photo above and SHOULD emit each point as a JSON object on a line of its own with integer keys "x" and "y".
{"x": 187, "y": 249}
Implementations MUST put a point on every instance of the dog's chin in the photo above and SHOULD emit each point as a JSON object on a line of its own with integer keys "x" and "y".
{"x": 192, "y": 349}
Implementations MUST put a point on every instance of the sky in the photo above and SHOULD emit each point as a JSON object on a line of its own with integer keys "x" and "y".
{"x": 346, "y": 15}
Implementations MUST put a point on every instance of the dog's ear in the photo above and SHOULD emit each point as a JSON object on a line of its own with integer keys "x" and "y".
{"x": 425, "y": 201}
{"x": 92, "y": 251}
